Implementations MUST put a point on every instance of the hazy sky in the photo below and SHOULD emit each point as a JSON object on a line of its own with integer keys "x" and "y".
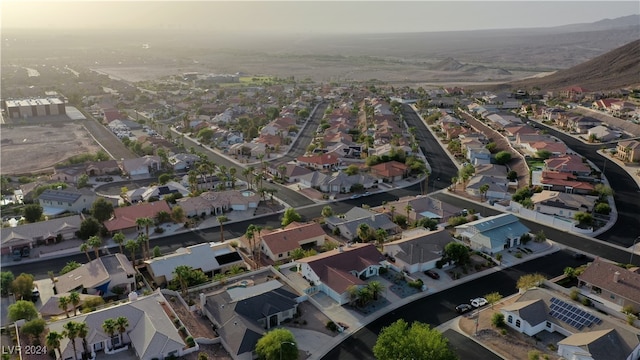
{"x": 308, "y": 16}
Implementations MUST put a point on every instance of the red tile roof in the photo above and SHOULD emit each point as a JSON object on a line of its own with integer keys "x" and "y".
{"x": 567, "y": 163}
{"x": 287, "y": 239}
{"x": 389, "y": 169}
{"x": 125, "y": 217}
{"x": 322, "y": 159}
{"x": 564, "y": 179}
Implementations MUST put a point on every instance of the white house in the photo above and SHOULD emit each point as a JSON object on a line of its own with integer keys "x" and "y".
{"x": 55, "y": 202}
{"x": 99, "y": 276}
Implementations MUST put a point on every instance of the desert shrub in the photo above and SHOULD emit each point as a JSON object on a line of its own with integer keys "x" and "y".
{"x": 631, "y": 319}
{"x": 586, "y": 302}
{"x": 518, "y": 255}
{"x": 552, "y": 347}
{"x": 190, "y": 341}
{"x": 416, "y": 284}
{"x": 332, "y": 326}
{"x": 499, "y": 257}
{"x": 383, "y": 270}
{"x": 628, "y": 309}
{"x": 497, "y": 320}
{"x": 503, "y": 331}
{"x": 533, "y": 355}
{"x": 574, "y": 294}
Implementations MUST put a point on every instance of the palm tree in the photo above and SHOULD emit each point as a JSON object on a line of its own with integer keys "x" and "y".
{"x": 145, "y": 222}
{"x": 132, "y": 246}
{"x": 193, "y": 181}
{"x": 232, "y": 177}
{"x": 258, "y": 180}
{"x": 392, "y": 208}
{"x": 53, "y": 341}
{"x": 63, "y": 304}
{"x": 141, "y": 240}
{"x": 426, "y": 180}
{"x": 271, "y": 191}
{"x": 353, "y": 291}
{"x": 71, "y": 332}
{"x": 408, "y": 209}
{"x": 122, "y": 323}
{"x": 251, "y": 236}
{"x": 74, "y": 298}
{"x": 248, "y": 175}
{"x": 182, "y": 273}
{"x": 222, "y": 219}
{"x": 109, "y": 326}
{"x": 376, "y": 288}
{"x": 95, "y": 242}
{"x": 483, "y": 190}
{"x": 454, "y": 182}
{"x": 365, "y": 295}
{"x": 85, "y": 247}
{"x": 52, "y": 276}
{"x": 83, "y": 331}
{"x": 282, "y": 170}
{"x": 119, "y": 239}
{"x": 364, "y": 232}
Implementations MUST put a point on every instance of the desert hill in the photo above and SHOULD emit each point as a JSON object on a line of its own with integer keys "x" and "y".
{"x": 618, "y": 68}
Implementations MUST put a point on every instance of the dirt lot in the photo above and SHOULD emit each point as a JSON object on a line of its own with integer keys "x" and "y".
{"x": 513, "y": 345}
{"x": 35, "y": 148}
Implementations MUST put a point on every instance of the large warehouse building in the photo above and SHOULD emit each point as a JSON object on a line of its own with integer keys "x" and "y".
{"x": 26, "y": 108}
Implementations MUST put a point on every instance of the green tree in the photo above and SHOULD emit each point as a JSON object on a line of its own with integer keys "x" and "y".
{"x": 492, "y": 147}
{"x": 95, "y": 243}
{"x": 543, "y": 154}
{"x": 110, "y": 327}
{"x": 70, "y": 266}
{"x": 83, "y": 331}
{"x": 53, "y": 341}
{"x": 63, "y": 304}
{"x": 145, "y": 222}
{"x": 297, "y": 253}
{"x": 418, "y": 341}
{"x": 352, "y": 170}
{"x": 6, "y": 278}
{"x": 181, "y": 274}
{"x": 583, "y": 218}
{"x": 88, "y": 227}
{"x": 102, "y": 209}
{"x": 157, "y": 252}
{"x": 84, "y": 247}
{"x": 163, "y": 217}
{"x": 277, "y": 344}
{"x": 83, "y": 181}
{"x": 132, "y": 246}
{"x": 483, "y": 191}
{"x": 497, "y": 320}
{"x": 122, "y": 323}
{"x": 540, "y": 236}
{"x": 22, "y": 286}
{"x": 493, "y": 298}
{"x": 32, "y": 212}
{"x": 119, "y": 239}
{"x": 74, "y": 299}
{"x": 327, "y": 211}
{"x": 512, "y": 175}
{"x": 177, "y": 213}
{"x": 602, "y": 208}
{"x": 221, "y": 220}
{"x": 22, "y": 309}
{"x": 164, "y": 178}
{"x": 528, "y": 281}
{"x": 376, "y": 288}
{"x": 427, "y": 223}
{"x": 503, "y": 157}
{"x": 456, "y": 252}
{"x": 603, "y": 190}
{"x": 290, "y": 215}
{"x": 34, "y": 328}
{"x": 364, "y": 232}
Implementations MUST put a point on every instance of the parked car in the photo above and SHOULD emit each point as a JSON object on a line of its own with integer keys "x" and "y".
{"x": 463, "y": 308}
{"x": 355, "y": 196}
{"x": 432, "y": 274}
{"x": 25, "y": 252}
{"x": 35, "y": 294}
{"x": 579, "y": 256}
{"x": 478, "y": 302}
{"x": 366, "y": 193}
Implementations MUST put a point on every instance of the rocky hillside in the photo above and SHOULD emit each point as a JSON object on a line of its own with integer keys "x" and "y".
{"x": 615, "y": 69}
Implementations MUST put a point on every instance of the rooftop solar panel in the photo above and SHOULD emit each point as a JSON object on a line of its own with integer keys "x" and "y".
{"x": 571, "y": 314}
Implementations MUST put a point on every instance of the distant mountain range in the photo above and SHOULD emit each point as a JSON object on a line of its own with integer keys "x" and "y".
{"x": 618, "y": 68}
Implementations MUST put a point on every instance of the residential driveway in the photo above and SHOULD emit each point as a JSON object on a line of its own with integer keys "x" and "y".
{"x": 313, "y": 342}
{"x": 4, "y": 305}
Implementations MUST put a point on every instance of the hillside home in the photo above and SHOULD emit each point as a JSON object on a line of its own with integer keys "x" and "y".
{"x": 493, "y": 234}
{"x": 99, "y": 276}
{"x": 418, "y": 249}
{"x": 278, "y": 244}
{"x": 334, "y": 272}
{"x": 212, "y": 258}
{"x": 39, "y": 233}
{"x": 108, "y": 167}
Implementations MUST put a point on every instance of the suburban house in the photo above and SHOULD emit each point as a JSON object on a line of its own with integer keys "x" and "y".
{"x": 478, "y": 155}
{"x": 124, "y": 218}
{"x": 498, "y": 187}
{"x": 182, "y": 161}
{"x": 493, "y": 234}
{"x": 610, "y": 284}
{"x": 68, "y": 174}
{"x": 56, "y": 202}
{"x": 241, "y": 313}
{"x": 628, "y": 151}
{"x": 292, "y": 172}
{"x": 334, "y": 272}
{"x": 325, "y": 161}
{"x": 339, "y": 183}
{"x": 581, "y": 124}
{"x": 278, "y": 244}
{"x": 561, "y": 181}
{"x": 562, "y": 204}
{"x": 218, "y": 202}
{"x": 348, "y": 223}
{"x": 142, "y": 166}
{"x": 421, "y": 206}
{"x": 390, "y": 171}
{"x": 569, "y": 163}
{"x": 588, "y": 335}
{"x": 418, "y": 249}
{"x": 151, "y": 332}
{"x": 602, "y": 133}
{"x": 157, "y": 192}
{"x": 39, "y": 233}
{"x": 212, "y": 258}
{"x": 99, "y": 276}
{"x": 107, "y": 167}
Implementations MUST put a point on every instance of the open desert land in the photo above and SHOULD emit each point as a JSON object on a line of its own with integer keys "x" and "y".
{"x": 36, "y": 148}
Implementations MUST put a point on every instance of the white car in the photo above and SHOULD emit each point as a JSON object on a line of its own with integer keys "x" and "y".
{"x": 478, "y": 302}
